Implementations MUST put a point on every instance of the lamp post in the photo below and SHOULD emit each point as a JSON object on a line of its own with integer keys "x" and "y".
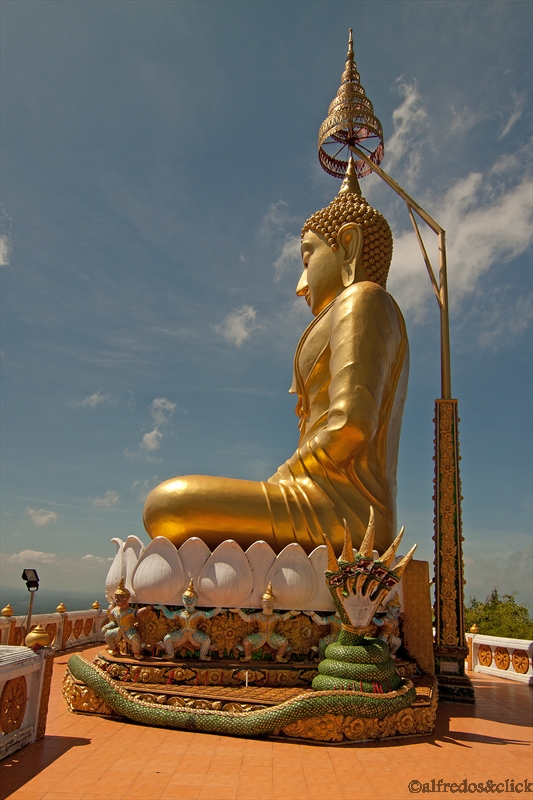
{"x": 32, "y": 582}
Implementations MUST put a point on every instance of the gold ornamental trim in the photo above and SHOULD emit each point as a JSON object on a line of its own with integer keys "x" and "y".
{"x": 448, "y": 535}
{"x": 45, "y": 696}
{"x": 336, "y": 728}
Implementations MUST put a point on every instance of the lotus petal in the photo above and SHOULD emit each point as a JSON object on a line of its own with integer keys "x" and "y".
{"x": 260, "y": 557}
{"x": 132, "y": 551}
{"x": 159, "y": 576}
{"x": 194, "y": 553}
{"x": 322, "y": 600}
{"x": 293, "y": 578}
{"x": 116, "y": 570}
{"x": 226, "y": 578}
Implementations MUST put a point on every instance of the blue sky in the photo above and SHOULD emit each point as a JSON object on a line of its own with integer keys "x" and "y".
{"x": 158, "y": 161}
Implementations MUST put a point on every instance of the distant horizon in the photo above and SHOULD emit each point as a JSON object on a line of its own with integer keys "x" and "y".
{"x": 47, "y": 600}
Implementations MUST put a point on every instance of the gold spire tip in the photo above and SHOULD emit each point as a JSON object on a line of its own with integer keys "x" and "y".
{"x": 350, "y": 184}
{"x": 350, "y": 44}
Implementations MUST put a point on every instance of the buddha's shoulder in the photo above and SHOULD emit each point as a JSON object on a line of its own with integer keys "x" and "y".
{"x": 365, "y": 294}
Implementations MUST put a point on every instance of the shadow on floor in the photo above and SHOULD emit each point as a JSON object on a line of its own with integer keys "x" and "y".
{"x": 22, "y": 766}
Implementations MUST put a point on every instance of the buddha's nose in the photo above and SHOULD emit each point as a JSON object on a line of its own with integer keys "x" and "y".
{"x": 302, "y": 287}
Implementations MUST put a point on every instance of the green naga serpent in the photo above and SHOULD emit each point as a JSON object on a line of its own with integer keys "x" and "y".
{"x": 357, "y": 678}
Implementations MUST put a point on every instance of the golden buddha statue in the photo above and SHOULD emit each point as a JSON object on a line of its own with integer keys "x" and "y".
{"x": 350, "y": 376}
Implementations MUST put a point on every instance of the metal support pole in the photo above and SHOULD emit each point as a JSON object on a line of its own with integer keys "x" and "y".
{"x": 450, "y": 647}
{"x": 445, "y": 360}
{"x": 30, "y": 610}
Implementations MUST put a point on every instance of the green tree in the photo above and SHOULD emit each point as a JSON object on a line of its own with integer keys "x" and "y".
{"x": 499, "y": 616}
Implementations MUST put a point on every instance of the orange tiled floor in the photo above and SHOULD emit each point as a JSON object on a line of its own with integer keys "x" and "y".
{"x": 88, "y": 758}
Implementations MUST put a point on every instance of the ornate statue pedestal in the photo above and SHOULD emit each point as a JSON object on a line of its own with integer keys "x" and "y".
{"x": 250, "y": 672}
{"x": 220, "y": 686}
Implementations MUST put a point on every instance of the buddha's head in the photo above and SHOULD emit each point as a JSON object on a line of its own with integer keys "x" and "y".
{"x": 344, "y": 243}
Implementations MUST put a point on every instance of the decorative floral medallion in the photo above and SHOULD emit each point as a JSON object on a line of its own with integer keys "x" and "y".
{"x": 520, "y": 661}
{"x": 13, "y": 704}
{"x": 501, "y": 657}
{"x": 484, "y": 655}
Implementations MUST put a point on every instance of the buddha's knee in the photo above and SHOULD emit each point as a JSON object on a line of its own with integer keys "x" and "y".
{"x": 168, "y": 506}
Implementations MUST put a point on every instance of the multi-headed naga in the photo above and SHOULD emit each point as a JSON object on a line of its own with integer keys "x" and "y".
{"x": 358, "y": 583}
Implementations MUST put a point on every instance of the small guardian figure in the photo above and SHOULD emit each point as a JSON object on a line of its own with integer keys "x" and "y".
{"x": 334, "y": 621}
{"x": 267, "y": 622}
{"x": 188, "y": 633}
{"x": 389, "y": 625}
{"x": 121, "y": 625}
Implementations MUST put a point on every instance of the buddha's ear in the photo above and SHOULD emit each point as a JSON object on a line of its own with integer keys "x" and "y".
{"x": 350, "y": 237}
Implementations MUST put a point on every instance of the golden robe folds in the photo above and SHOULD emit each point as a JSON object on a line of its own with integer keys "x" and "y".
{"x": 350, "y": 374}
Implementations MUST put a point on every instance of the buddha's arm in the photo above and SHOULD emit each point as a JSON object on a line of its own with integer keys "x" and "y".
{"x": 367, "y": 342}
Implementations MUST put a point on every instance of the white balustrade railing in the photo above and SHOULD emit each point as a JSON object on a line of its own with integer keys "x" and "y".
{"x": 25, "y": 679}
{"x": 506, "y": 658}
{"x": 66, "y": 630}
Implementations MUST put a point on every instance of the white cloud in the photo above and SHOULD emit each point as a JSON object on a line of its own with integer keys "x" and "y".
{"x": 463, "y": 121}
{"x": 151, "y": 440}
{"x": 5, "y": 250}
{"x": 514, "y": 116}
{"x": 141, "y": 489}
{"x": 486, "y": 224}
{"x": 31, "y": 557}
{"x": 409, "y": 120}
{"x": 277, "y": 217}
{"x": 6, "y": 241}
{"x": 290, "y": 256}
{"x": 162, "y": 409}
{"x": 109, "y": 499}
{"x": 94, "y": 400}
{"x": 238, "y": 325}
{"x": 40, "y": 517}
{"x": 94, "y": 561}
{"x": 27, "y": 556}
